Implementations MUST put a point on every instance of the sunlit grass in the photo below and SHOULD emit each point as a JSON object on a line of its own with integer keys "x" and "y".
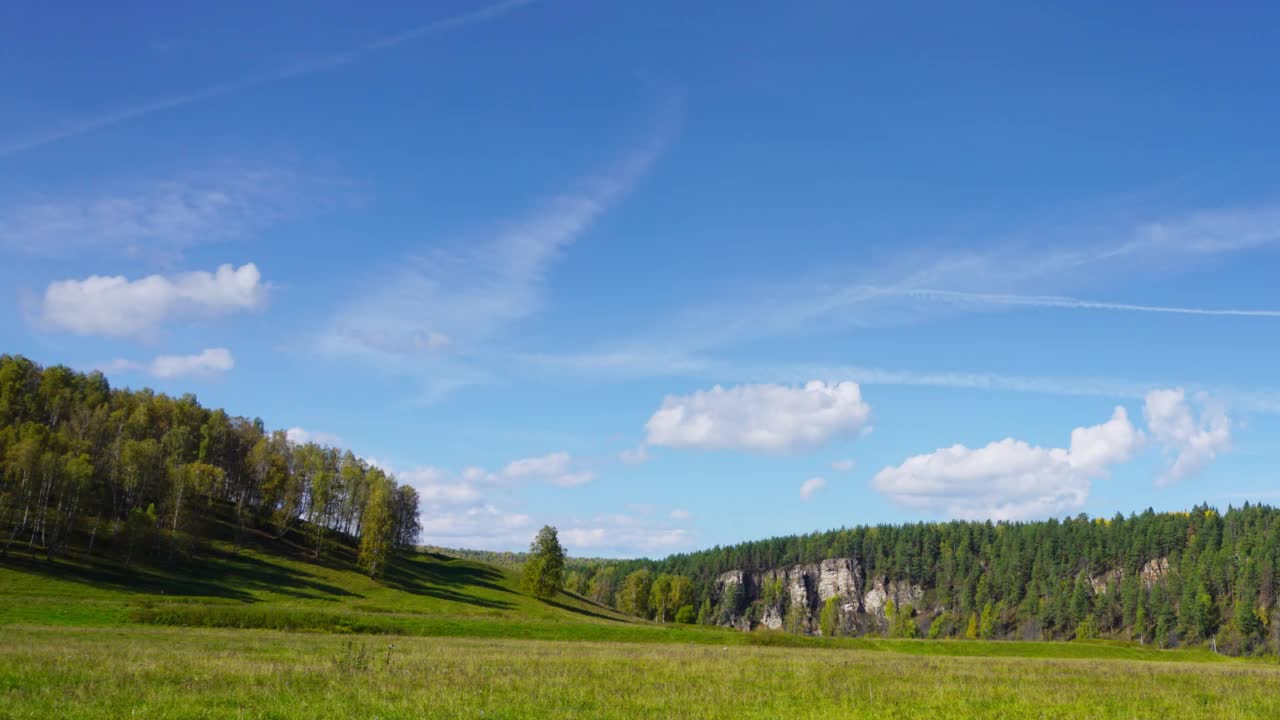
{"x": 184, "y": 673}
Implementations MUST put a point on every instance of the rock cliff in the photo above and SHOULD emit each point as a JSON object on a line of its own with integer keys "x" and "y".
{"x": 793, "y": 597}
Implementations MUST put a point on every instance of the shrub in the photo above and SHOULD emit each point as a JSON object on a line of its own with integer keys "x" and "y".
{"x": 686, "y": 615}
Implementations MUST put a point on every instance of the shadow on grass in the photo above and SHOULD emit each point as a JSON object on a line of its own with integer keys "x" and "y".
{"x": 583, "y": 611}
{"x": 446, "y": 578}
{"x": 116, "y": 576}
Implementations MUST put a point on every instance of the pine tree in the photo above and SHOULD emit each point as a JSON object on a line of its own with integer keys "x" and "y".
{"x": 704, "y": 612}
{"x": 544, "y": 568}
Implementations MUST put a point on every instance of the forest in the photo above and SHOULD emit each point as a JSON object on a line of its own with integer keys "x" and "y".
{"x": 123, "y": 475}
{"x": 1210, "y": 577}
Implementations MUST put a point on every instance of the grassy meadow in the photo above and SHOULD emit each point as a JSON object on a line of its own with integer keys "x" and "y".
{"x": 260, "y": 634}
{"x": 182, "y": 673}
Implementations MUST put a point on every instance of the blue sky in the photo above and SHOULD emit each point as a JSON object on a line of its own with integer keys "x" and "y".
{"x": 670, "y": 275}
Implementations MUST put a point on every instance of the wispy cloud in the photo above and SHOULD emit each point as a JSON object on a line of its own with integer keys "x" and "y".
{"x": 156, "y": 218}
{"x": 959, "y": 297}
{"x": 470, "y": 293}
{"x": 308, "y": 67}
{"x": 1265, "y": 400}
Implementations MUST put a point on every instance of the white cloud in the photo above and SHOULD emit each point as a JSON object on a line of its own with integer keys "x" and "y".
{"x": 115, "y": 306}
{"x": 623, "y": 535}
{"x": 1094, "y": 449}
{"x": 556, "y": 469}
{"x": 481, "y": 527}
{"x": 206, "y": 363}
{"x": 471, "y": 290}
{"x": 1191, "y": 442}
{"x": 811, "y": 486}
{"x": 842, "y": 465}
{"x": 472, "y": 293}
{"x": 634, "y": 456}
{"x": 765, "y": 418}
{"x": 438, "y": 493}
{"x": 1010, "y": 479}
{"x": 149, "y": 219}
{"x": 299, "y": 436}
{"x": 958, "y": 297}
{"x": 680, "y": 514}
{"x": 543, "y": 466}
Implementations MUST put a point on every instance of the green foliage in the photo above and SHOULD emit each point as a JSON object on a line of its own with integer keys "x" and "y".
{"x": 377, "y": 528}
{"x": 904, "y": 624}
{"x": 544, "y": 570}
{"x": 1171, "y": 578}
{"x": 829, "y": 618}
{"x": 686, "y": 615}
{"x": 1087, "y": 629}
{"x": 938, "y": 627}
{"x": 633, "y": 596}
{"x": 987, "y": 624}
{"x": 137, "y": 476}
{"x": 704, "y": 612}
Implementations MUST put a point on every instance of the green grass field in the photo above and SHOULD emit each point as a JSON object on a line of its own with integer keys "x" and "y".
{"x": 178, "y": 673}
{"x": 275, "y": 636}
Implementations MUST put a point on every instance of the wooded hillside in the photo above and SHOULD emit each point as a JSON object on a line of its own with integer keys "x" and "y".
{"x": 128, "y": 475}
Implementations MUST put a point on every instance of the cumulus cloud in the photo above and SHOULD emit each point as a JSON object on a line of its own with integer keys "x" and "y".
{"x": 115, "y": 306}
{"x": 552, "y": 464}
{"x": 483, "y": 527}
{"x": 680, "y": 514}
{"x": 1190, "y": 442}
{"x": 299, "y": 436}
{"x": 623, "y": 535}
{"x": 760, "y": 418}
{"x": 206, "y": 363}
{"x": 811, "y": 486}
{"x": 1011, "y": 479}
{"x": 555, "y": 468}
{"x": 842, "y": 465}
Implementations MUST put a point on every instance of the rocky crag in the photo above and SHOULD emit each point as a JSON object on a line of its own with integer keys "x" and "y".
{"x": 793, "y": 597}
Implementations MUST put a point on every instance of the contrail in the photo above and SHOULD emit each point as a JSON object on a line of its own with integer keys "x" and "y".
{"x": 347, "y": 57}
{"x": 1058, "y": 301}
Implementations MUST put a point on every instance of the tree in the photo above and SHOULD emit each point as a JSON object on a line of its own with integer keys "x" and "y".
{"x": 938, "y": 626}
{"x": 601, "y": 586}
{"x": 704, "y": 612}
{"x": 681, "y": 591}
{"x": 828, "y": 619}
{"x": 987, "y": 625}
{"x": 1087, "y": 629}
{"x": 660, "y": 597}
{"x": 544, "y": 569}
{"x": 971, "y": 632}
{"x": 377, "y": 526}
{"x": 633, "y": 596}
{"x": 685, "y": 615}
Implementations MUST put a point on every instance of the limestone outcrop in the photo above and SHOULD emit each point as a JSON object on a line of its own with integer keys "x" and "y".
{"x": 793, "y": 597}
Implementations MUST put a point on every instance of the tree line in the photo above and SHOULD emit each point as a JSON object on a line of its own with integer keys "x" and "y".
{"x": 1196, "y": 577}
{"x": 134, "y": 475}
